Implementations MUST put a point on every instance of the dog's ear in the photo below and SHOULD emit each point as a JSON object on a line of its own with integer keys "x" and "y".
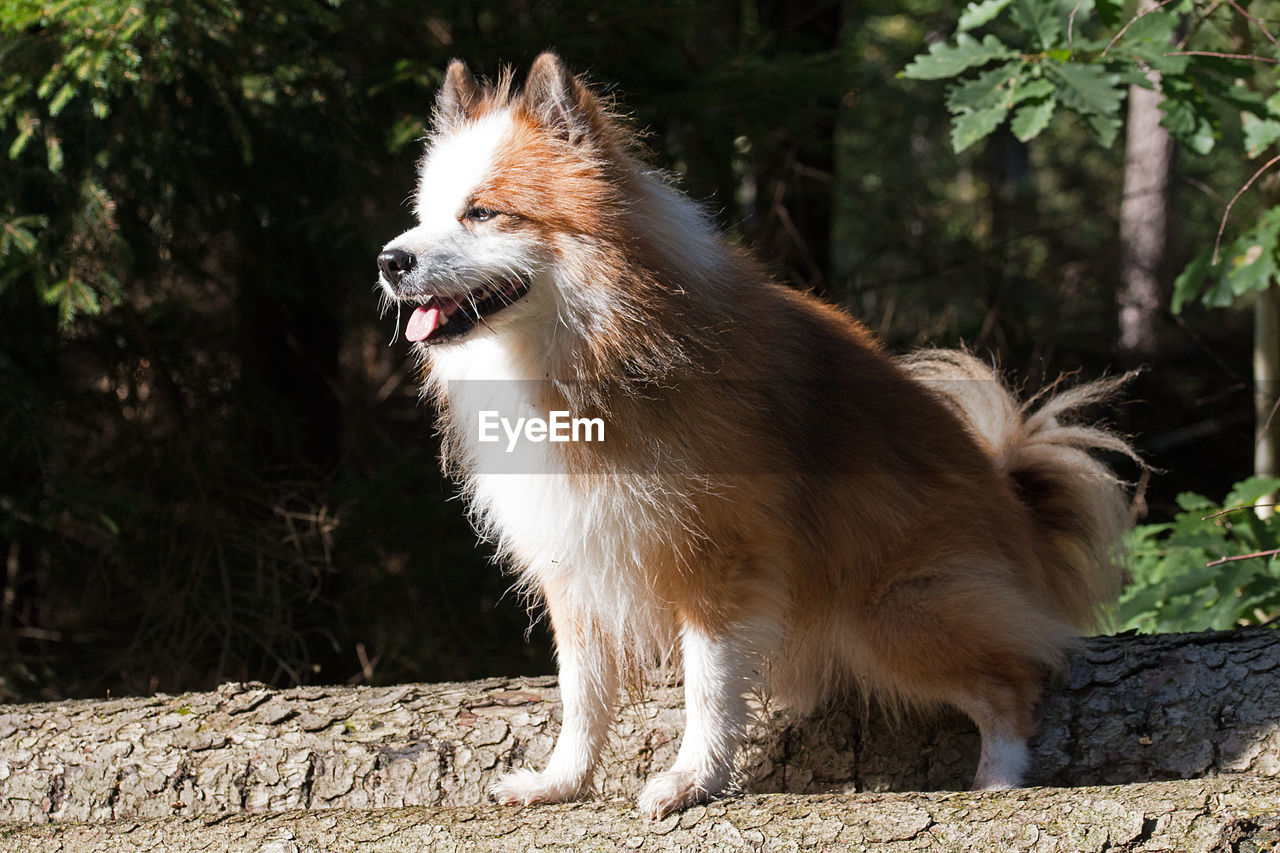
{"x": 561, "y": 103}
{"x": 460, "y": 96}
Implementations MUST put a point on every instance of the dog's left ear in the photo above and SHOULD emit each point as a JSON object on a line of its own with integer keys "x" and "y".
{"x": 561, "y": 103}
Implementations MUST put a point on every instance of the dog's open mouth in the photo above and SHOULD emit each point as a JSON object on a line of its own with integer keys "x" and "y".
{"x": 442, "y": 318}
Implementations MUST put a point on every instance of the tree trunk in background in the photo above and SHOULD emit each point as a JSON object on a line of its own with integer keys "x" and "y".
{"x": 1266, "y": 383}
{"x": 1266, "y": 332}
{"x": 1144, "y": 223}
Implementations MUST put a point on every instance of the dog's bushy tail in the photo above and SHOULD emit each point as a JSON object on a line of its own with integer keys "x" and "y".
{"x": 1080, "y": 506}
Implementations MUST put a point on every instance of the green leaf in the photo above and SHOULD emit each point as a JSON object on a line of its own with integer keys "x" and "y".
{"x": 1040, "y": 19}
{"x": 978, "y": 13}
{"x": 1249, "y": 264}
{"x": 1187, "y": 285}
{"x": 1032, "y": 118}
{"x": 1110, "y": 12}
{"x": 992, "y": 88}
{"x": 1248, "y": 492}
{"x": 1251, "y": 270}
{"x": 1032, "y": 88}
{"x": 1188, "y": 116}
{"x": 1193, "y": 502}
{"x": 946, "y": 60}
{"x": 1087, "y": 89}
{"x": 1149, "y": 40}
{"x": 1106, "y": 128}
{"x": 970, "y": 127}
{"x": 1259, "y": 134}
{"x": 1157, "y": 26}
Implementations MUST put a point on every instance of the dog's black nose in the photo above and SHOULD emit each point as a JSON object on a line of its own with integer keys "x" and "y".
{"x": 394, "y": 263}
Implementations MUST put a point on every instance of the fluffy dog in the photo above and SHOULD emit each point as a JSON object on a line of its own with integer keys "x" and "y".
{"x": 776, "y": 502}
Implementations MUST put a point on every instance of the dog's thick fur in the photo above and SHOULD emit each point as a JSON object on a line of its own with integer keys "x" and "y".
{"x": 777, "y": 501}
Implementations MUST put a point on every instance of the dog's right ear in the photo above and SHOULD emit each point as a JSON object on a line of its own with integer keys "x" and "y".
{"x": 460, "y": 96}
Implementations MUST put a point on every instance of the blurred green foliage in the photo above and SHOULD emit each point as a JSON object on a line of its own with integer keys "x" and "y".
{"x": 1211, "y": 567}
{"x": 213, "y": 466}
{"x": 1042, "y": 55}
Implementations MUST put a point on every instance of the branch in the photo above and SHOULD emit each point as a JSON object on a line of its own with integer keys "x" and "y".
{"x": 1126, "y": 709}
{"x": 1218, "y": 562}
{"x": 1226, "y": 214}
{"x": 1223, "y": 813}
{"x": 1217, "y": 55}
{"x": 1251, "y": 19}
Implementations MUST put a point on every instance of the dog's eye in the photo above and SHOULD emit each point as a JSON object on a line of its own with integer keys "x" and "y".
{"x": 479, "y": 214}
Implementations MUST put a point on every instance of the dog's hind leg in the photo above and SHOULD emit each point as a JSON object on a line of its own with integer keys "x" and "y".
{"x": 1005, "y": 721}
{"x": 955, "y": 637}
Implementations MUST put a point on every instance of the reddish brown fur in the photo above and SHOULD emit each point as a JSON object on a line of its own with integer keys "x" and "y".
{"x": 808, "y": 477}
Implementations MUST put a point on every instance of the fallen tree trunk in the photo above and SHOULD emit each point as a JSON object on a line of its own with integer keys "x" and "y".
{"x": 1226, "y": 813}
{"x": 1128, "y": 709}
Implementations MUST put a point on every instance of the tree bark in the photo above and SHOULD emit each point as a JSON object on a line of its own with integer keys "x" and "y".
{"x": 1266, "y": 388}
{"x": 1226, "y": 813}
{"x": 1127, "y": 709}
{"x": 1144, "y": 221}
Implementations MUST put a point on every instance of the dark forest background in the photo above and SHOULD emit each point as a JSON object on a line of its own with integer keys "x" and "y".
{"x": 213, "y": 463}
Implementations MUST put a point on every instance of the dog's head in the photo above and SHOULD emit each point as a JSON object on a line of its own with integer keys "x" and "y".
{"x": 511, "y": 185}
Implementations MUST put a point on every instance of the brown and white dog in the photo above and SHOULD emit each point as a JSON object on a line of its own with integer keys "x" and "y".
{"x": 776, "y": 502}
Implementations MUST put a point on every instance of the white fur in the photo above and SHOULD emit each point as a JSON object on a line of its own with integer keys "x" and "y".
{"x": 1003, "y": 764}
{"x": 459, "y": 259}
{"x": 718, "y": 674}
{"x": 455, "y": 165}
{"x": 588, "y": 690}
{"x": 585, "y": 540}
{"x": 586, "y": 537}
{"x": 581, "y": 534}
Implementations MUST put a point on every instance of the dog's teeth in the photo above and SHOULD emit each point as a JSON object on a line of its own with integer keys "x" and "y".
{"x": 444, "y": 320}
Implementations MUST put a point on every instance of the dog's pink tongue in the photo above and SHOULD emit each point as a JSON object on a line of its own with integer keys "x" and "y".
{"x": 422, "y": 322}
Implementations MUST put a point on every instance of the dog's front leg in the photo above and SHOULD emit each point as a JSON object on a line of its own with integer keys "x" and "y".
{"x": 588, "y": 676}
{"x": 718, "y": 673}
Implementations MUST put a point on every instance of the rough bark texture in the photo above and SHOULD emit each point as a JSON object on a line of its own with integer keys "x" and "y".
{"x": 1226, "y": 813}
{"x": 1128, "y": 709}
{"x": 1144, "y": 218}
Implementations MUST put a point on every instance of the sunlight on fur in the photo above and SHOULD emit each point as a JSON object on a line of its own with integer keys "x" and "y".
{"x": 778, "y": 504}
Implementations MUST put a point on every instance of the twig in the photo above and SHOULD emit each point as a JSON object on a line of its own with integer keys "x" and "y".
{"x": 1071, "y": 22}
{"x": 1255, "y": 22}
{"x": 1217, "y": 55}
{"x": 1133, "y": 21}
{"x": 1217, "y": 244}
{"x": 1218, "y": 562}
{"x": 1230, "y": 510}
{"x": 1199, "y": 22}
{"x": 1206, "y": 189}
{"x": 1266, "y": 427}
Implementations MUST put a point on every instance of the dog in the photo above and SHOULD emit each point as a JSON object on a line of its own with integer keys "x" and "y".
{"x": 775, "y": 503}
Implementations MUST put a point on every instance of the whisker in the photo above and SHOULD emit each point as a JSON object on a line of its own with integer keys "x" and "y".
{"x": 395, "y": 333}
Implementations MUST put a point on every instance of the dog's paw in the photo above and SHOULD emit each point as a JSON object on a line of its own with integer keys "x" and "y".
{"x": 672, "y": 791}
{"x": 527, "y": 787}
